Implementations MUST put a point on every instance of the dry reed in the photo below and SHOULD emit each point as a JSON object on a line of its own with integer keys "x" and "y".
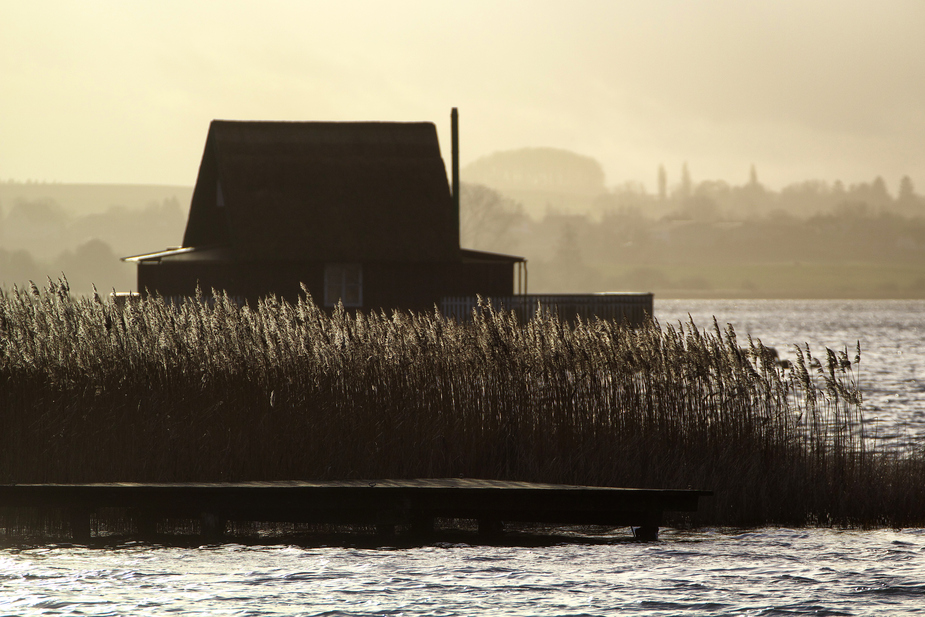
{"x": 206, "y": 390}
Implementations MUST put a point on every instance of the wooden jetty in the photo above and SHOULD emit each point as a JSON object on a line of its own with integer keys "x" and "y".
{"x": 384, "y": 504}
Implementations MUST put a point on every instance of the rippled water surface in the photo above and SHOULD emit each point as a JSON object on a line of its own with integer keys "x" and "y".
{"x": 762, "y": 572}
{"x": 891, "y": 334}
{"x": 707, "y": 572}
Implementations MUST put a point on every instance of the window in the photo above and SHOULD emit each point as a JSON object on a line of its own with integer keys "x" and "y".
{"x": 343, "y": 282}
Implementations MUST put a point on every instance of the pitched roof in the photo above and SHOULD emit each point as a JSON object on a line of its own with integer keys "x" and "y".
{"x": 332, "y": 191}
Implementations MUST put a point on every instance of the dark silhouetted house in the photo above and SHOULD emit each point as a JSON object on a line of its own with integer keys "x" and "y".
{"x": 360, "y": 213}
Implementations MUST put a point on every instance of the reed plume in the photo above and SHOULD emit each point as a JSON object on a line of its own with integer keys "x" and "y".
{"x": 206, "y": 390}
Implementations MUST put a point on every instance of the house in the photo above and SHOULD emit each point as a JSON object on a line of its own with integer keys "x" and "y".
{"x": 359, "y": 212}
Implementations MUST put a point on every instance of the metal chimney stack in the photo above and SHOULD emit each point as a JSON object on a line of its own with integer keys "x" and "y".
{"x": 454, "y": 123}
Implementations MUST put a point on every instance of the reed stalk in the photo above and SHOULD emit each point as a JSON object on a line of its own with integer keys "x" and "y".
{"x": 206, "y": 390}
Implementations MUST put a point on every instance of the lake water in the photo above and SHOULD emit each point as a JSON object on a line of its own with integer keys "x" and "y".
{"x": 891, "y": 334}
{"x": 704, "y": 572}
{"x": 762, "y": 572}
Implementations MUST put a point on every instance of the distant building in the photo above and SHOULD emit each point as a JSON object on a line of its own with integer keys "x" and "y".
{"x": 361, "y": 213}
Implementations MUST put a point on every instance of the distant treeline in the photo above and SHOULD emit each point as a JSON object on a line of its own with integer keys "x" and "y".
{"x": 811, "y": 239}
{"x": 41, "y": 238}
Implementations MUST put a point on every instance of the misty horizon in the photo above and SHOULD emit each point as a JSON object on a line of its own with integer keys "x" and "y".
{"x": 644, "y": 185}
{"x": 665, "y": 117}
{"x": 694, "y": 239}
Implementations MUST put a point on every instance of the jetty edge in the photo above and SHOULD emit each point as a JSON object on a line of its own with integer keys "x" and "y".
{"x": 384, "y": 503}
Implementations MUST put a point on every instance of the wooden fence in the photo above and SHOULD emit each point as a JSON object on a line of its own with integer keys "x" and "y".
{"x": 634, "y": 308}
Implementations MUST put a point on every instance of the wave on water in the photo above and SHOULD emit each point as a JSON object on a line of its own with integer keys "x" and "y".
{"x": 709, "y": 572}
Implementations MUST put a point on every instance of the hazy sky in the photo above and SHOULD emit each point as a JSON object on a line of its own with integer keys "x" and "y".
{"x": 123, "y": 91}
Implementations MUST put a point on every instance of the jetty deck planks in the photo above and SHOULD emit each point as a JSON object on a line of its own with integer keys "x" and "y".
{"x": 384, "y": 503}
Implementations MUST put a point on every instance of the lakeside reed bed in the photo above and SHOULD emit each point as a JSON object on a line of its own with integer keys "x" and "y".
{"x": 209, "y": 391}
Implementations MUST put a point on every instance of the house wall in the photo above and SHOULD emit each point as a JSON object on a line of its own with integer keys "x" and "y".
{"x": 386, "y": 285}
{"x": 247, "y": 281}
{"x": 484, "y": 278}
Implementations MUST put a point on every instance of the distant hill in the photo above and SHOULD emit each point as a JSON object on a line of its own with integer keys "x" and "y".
{"x": 83, "y": 229}
{"x": 540, "y": 178}
{"x": 84, "y": 199}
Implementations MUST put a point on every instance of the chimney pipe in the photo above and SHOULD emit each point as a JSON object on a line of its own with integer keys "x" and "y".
{"x": 454, "y": 122}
